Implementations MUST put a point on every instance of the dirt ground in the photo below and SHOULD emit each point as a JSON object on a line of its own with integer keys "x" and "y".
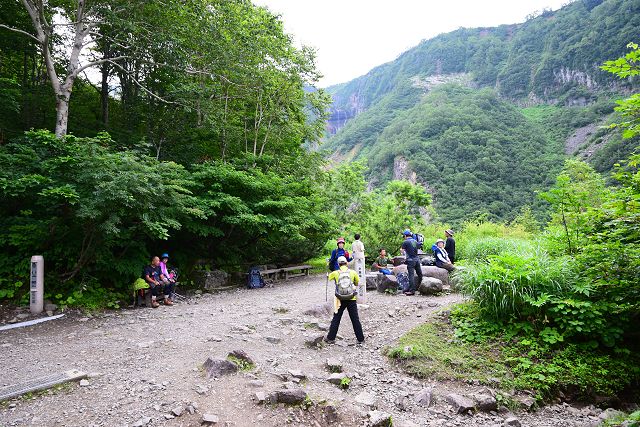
{"x": 144, "y": 363}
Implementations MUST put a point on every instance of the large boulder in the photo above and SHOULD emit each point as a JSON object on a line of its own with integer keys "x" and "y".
{"x": 373, "y": 279}
{"x": 430, "y": 286}
{"x": 211, "y": 280}
{"x": 388, "y": 281}
{"x": 436, "y": 272}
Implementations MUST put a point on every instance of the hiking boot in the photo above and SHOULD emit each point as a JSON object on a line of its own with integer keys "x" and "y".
{"x": 155, "y": 304}
{"x": 167, "y": 301}
{"x": 409, "y": 293}
{"x": 329, "y": 341}
{"x": 359, "y": 343}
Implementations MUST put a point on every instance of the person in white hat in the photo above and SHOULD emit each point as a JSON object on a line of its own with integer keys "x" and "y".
{"x": 442, "y": 258}
{"x": 346, "y": 285}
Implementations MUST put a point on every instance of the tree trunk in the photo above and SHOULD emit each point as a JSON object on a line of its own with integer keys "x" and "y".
{"x": 62, "y": 114}
{"x": 104, "y": 90}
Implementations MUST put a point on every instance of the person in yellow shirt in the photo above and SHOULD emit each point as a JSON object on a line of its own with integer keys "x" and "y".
{"x": 346, "y": 285}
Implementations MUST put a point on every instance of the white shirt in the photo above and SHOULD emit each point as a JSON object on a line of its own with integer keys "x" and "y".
{"x": 357, "y": 249}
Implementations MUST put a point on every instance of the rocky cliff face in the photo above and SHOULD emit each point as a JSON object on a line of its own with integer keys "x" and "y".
{"x": 340, "y": 115}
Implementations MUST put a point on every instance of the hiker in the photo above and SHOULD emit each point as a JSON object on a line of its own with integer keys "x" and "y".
{"x": 357, "y": 249}
{"x": 410, "y": 249}
{"x": 441, "y": 256}
{"x": 337, "y": 253}
{"x": 155, "y": 279}
{"x": 346, "y": 284}
{"x": 450, "y": 245}
{"x": 168, "y": 277}
{"x": 380, "y": 264}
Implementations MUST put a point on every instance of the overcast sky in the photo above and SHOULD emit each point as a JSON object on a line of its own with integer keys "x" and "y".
{"x": 353, "y": 36}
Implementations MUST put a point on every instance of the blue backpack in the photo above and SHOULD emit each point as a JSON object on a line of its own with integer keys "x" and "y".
{"x": 254, "y": 279}
{"x": 403, "y": 281}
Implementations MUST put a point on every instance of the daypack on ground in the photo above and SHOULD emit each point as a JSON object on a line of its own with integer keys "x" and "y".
{"x": 403, "y": 281}
{"x": 345, "y": 289}
{"x": 254, "y": 279}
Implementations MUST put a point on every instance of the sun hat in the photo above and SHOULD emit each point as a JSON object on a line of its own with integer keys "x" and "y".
{"x": 342, "y": 260}
{"x": 449, "y": 232}
{"x": 439, "y": 240}
{"x": 340, "y": 240}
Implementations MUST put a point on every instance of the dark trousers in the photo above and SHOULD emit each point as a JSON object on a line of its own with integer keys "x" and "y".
{"x": 413, "y": 264}
{"x": 352, "y": 308}
{"x": 167, "y": 289}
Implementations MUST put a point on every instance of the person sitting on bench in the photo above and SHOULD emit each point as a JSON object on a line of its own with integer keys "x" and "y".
{"x": 154, "y": 277}
{"x": 442, "y": 258}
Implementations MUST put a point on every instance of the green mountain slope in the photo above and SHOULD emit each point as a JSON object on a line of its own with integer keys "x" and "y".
{"x": 490, "y": 150}
{"x": 476, "y": 153}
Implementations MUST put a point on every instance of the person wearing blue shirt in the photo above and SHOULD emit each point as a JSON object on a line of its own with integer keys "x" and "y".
{"x": 337, "y": 253}
{"x": 410, "y": 249}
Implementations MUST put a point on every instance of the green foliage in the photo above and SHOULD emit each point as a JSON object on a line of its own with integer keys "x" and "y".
{"x": 475, "y": 151}
{"x": 344, "y": 383}
{"x": 629, "y": 109}
{"x": 427, "y": 351}
{"x": 242, "y": 364}
{"x": 542, "y": 361}
{"x": 379, "y": 215}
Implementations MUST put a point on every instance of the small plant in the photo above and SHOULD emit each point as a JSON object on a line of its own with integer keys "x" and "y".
{"x": 307, "y": 403}
{"x": 242, "y": 364}
{"x": 344, "y": 383}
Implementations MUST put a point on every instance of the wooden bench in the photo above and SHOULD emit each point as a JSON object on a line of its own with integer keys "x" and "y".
{"x": 295, "y": 271}
{"x": 271, "y": 273}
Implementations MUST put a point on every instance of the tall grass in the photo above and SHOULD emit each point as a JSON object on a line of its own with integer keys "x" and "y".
{"x": 507, "y": 277}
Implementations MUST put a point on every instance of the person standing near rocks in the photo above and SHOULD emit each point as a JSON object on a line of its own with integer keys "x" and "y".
{"x": 357, "y": 249}
{"x": 343, "y": 278}
{"x": 410, "y": 249}
{"x": 450, "y": 245}
{"x": 337, "y": 253}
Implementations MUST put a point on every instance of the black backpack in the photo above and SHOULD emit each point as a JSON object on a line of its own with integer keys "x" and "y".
{"x": 254, "y": 279}
{"x": 420, "y": 239}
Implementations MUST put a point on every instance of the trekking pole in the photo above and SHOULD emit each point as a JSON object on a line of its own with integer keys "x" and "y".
{"x": 326, "y": 289}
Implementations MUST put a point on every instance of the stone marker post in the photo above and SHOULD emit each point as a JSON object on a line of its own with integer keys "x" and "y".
{"x": 357, "y": 249}
{"x": 36, "y": 284}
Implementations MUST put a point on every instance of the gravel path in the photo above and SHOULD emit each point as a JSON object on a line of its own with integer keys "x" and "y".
{"x": 144, "y": 363}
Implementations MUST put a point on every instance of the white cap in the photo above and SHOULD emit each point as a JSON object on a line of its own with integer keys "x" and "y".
{"x": 342, "y": 260}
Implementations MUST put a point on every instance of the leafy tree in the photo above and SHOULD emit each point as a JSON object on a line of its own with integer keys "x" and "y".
{"x": 629, "y": 109}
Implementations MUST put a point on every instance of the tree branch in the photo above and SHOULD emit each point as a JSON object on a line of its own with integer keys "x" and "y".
{"x": 17, "y": 30}
{"x": 98, "y": 62}
{"x": 141, "y": 86}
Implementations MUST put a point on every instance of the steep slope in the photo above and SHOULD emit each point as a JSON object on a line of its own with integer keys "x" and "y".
{"x": 477, "y": 153}
{"x": 487, "y": 144}
{"x": 553, "y": 57}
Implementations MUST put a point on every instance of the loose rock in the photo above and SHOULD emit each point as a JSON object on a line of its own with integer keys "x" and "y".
{"x": 219, "y": 367}
{"x": 210, "y": 419}
{"x": 424, "y": 397}
{"x": 293, "y": 396}
{"x": 334, "y": 365}
{"x": 336, "y": 378}
{"x": 315, "y": 341}
{"x": 485, "y": 402}
{"x": 142, "y": 422}
{"x": 460, "y": 403}
{"x": 512, "y": 422}
{"x": 367, "y": 399}
{"x": 380, "y": 419}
